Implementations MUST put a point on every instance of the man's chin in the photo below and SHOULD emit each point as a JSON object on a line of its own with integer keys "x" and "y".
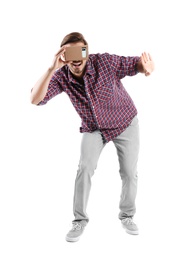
{"x": 77, "y": 72}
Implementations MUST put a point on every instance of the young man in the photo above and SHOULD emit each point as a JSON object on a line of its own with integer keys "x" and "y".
{"x": 107, "y": 113}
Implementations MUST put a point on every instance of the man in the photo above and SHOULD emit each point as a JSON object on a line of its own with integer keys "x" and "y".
{"x": 107, "y": 113}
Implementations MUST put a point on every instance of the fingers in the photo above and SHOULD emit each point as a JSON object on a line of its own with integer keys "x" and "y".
{"x": 146, "y": 57}
{"x": 59, "y": 56}
{"x": 150, "y": 57}
{"x": 147, "y": 63}
{"x": 61, "y": 51}
{"x": 62, "y": 58}
{"x": 59, "y": 59}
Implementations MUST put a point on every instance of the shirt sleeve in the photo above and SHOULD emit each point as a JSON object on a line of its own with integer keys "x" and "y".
{"x": 54, "y": 88}
{"x": 124, "y": 66}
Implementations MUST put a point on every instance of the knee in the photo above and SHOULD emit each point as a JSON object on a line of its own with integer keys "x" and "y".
{"x": 129, "y": 173}
{"x": 86, "y": 167}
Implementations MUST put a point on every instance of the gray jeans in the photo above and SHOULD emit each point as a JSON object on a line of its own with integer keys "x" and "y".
{"x": 127, "y": 145}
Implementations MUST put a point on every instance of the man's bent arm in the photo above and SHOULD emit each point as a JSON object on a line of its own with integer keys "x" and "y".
{"x": 40, "y": 89}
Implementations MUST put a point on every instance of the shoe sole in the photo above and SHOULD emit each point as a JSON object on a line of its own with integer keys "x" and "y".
{"x": 130, "y": 232}
{"x": 69, "y": 239}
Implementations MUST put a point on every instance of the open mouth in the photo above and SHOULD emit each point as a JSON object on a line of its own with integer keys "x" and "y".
{"x": 76, "y": 64}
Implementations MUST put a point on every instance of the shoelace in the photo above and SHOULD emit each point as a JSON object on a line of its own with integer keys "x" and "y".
{"x": 128, "y": 221}
{"x": 76, "y": 226}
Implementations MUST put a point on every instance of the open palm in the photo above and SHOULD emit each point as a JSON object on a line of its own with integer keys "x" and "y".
{"x": 147, "y": 63}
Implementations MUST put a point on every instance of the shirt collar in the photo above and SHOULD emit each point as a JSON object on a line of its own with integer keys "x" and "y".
{"x": 89, "y": 69}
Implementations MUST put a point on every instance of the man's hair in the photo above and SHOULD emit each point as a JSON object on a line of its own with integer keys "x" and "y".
{"x": 73, "y": 37}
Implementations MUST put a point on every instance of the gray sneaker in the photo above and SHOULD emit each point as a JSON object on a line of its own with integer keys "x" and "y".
{"x": 130, "y": 226}
{"x": 76, "y": 231}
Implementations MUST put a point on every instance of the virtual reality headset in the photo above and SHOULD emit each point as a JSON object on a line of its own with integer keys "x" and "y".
{"x": 74, "y": 53}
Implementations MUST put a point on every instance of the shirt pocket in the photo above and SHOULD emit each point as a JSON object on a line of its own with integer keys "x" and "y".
{"x": 104, "y": 92}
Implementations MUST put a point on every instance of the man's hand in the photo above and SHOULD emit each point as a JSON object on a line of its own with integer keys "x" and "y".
{"x": 59, "y": 60}
{"x": 147, "y": 63}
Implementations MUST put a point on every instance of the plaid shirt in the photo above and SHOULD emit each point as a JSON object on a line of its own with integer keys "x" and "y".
{"x": 102, "y": 102}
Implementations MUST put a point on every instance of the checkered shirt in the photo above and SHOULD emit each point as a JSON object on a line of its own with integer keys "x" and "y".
{"x": 102, "y": 102}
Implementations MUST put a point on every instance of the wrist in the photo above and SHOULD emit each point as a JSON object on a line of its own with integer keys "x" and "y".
{"x": 140, "y": 67}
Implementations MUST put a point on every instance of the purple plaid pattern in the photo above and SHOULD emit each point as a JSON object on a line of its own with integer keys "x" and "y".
{"x": 102, "y": 102}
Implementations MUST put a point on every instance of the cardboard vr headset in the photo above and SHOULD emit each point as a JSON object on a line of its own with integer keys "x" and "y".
{"x": 74, "y": 53}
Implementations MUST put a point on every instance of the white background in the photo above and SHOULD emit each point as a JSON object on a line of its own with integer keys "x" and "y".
{"x": 40, "y": 146}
